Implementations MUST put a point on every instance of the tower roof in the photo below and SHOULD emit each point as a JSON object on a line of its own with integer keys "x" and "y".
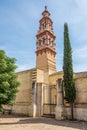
{"x": 45, "y": 12}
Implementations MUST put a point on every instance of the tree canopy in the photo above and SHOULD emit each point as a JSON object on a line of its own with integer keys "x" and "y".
{"x": 8, "y": 79}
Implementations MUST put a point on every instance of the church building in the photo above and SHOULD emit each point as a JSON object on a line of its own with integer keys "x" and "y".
{"x": 40, "y": 90}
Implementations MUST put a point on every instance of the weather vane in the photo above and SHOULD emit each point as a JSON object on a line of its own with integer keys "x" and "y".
{"x": 45, "y": 7}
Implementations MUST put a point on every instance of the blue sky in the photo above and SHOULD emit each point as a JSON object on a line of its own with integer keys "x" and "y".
{"x": 19, "y": 22}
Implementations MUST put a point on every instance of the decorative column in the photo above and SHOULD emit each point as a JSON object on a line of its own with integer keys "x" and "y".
{"x": 42, "y": 101}
{"x": 60, "y": 107}
{"x": 34, "y": 100}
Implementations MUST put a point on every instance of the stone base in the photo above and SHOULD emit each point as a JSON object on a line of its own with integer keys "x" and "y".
{"x": 59, "y": 113}
{"x": 80, "y": 114}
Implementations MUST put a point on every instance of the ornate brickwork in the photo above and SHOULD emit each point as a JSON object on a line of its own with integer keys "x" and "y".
{"x": 45, "y": 44}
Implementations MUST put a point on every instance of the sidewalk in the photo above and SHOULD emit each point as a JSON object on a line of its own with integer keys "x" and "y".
{"x": 26, "y": 123}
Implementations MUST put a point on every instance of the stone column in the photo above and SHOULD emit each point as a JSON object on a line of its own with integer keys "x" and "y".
{"x": 42, "y": 101}
{"x": 39, "y": 100}
{"x": 60, "y": 106}
{"x": 34, "y": 100}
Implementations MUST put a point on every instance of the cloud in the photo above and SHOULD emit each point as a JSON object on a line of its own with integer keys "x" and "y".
{"x": 80, "y": 59}
{"x": 80, "y": 67}
{"x": 25, "y": 66}
{"x": 81, "y": 53}
{"x": 82, "y": 5}
{"x": 22, "y": 67}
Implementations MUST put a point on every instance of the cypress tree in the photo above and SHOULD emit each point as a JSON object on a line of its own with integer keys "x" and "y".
{"x": 69, "y": 86}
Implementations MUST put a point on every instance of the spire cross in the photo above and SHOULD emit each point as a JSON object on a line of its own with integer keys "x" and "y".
{"x": 45, "y": 7}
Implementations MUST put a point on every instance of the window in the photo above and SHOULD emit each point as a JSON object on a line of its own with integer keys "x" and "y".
{"x": 43, "y": 41}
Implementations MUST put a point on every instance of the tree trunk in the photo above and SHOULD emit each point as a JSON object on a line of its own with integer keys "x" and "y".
{"x": 1, "y": 108}
{"x": 72, "y": 114}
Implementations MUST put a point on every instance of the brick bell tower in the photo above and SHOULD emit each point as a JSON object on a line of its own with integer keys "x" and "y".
{"x": 45, "y": 44}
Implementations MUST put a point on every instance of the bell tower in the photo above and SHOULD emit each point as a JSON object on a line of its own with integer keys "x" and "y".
{"x": 45, "y": 44}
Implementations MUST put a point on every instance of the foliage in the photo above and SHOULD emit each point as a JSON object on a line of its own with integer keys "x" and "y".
{"x": 8, "y": 79}
{"x": 70, "y": 92}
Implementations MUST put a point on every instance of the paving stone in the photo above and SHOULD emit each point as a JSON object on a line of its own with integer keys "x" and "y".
{"x": 26, "y": 123}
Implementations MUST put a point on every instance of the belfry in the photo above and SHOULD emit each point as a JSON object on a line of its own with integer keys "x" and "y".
{"x": 45, "y": 44}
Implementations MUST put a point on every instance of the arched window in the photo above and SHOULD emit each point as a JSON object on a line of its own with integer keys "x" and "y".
{"x": 49, "y": 41}
{"x": 52, "y": 43}
{"x": 43, "y": 40}
{"x": 39, "y": 42}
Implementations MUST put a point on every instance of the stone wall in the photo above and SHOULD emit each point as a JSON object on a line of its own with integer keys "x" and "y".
{"x": 79, "y": 113}
{"x": 81, "y": 90}
{"x": 80, "y": 84}
{"x": 24, "y": 96}
{"x": 80, "y": 108}
{"x": 80, "y": 75}
{"x": 54, "y": 77}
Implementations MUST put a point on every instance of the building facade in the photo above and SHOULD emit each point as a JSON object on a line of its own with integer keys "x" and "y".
{"x": 40, "y": 90}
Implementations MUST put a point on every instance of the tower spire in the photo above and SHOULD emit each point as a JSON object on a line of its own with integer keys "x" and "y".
{"x": 45, "y": 7}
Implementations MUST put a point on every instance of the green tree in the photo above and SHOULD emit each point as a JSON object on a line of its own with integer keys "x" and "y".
{"x": 70, "y": 92}
{"x": 8, "y": 80}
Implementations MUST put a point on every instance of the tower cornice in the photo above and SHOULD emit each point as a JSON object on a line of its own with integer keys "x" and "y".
{"x": 50, "y": 33}
{"x": 45, "y": 19}
{"x": 46, "y": 50}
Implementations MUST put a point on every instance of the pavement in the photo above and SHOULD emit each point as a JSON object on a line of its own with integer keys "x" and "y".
{"x": 13, "y": 122}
